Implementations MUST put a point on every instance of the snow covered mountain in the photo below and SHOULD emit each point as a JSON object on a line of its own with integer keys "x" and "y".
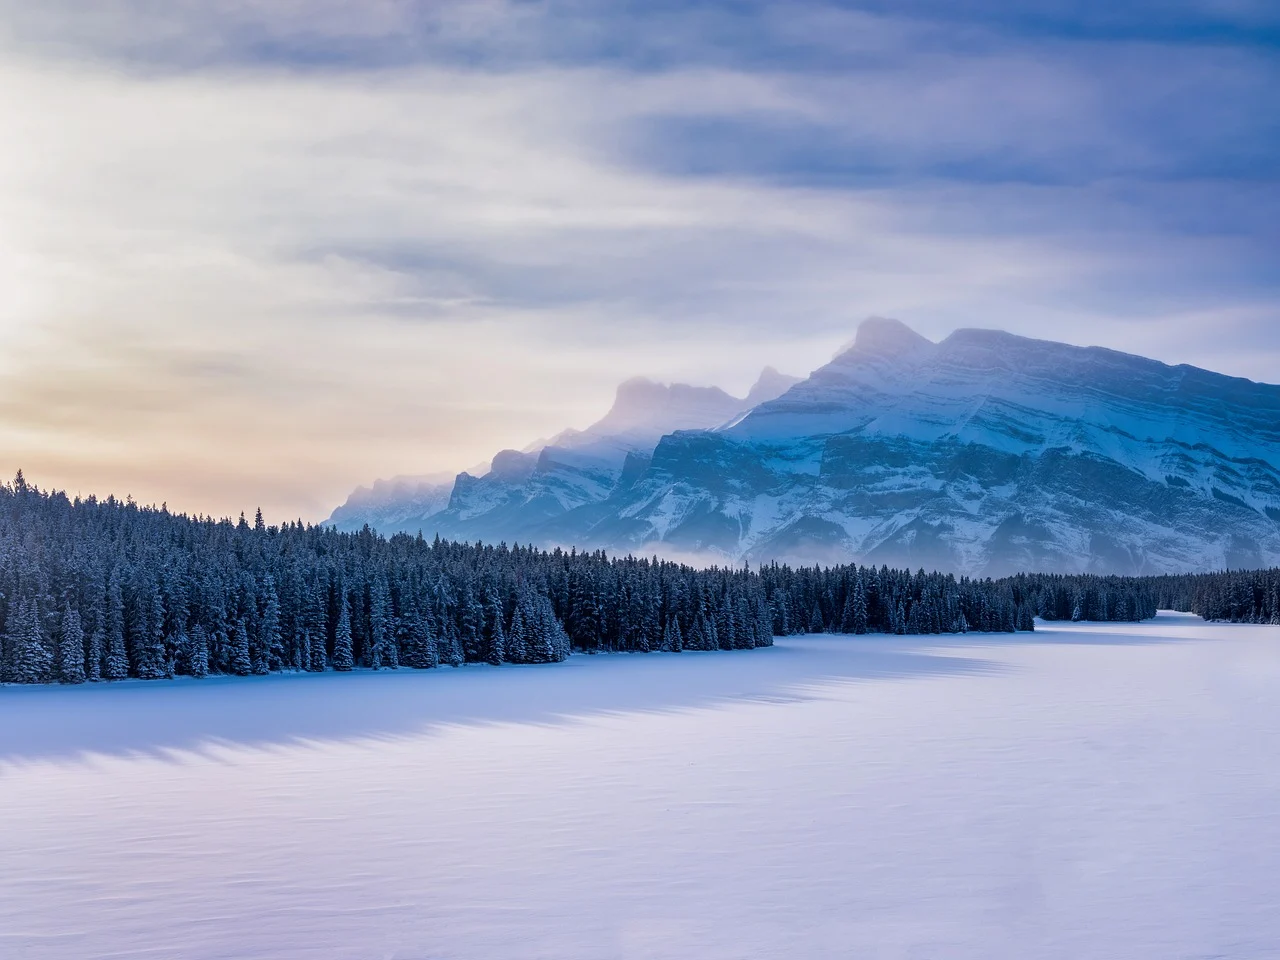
{"x": 523, "y": 491}
{"x": 985, "y": 453}
{"x": 400, "y": 503}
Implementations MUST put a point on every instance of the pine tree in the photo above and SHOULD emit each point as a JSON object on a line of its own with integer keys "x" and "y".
{"x": 552, "y": 642}
{"x": 672, "y": 642}
{"x": 198, "y": 652}
{"x": 71, "y": 647}
{"x": 471, "y": 625}
{"x": 272, "y": 641}
{"x": 698, "y": 633}
{"x": 151, "y": 656}
{"x": 496, "y": 642}
{"x": 815, "y": 620}
{"x": 381, "y": 632}
{"x": 517, "y": 640}
{"x": 1026, "y": 620}
{"x": 93, "y": 657}
{"x": 726, "y": 629}
{"x": 859, "y": 618}
{"x": 452, "y": 647}
{"x": 428, "y": 641}
{"x": 316, "y": 620}
{"x": 425, "y": 643}
{"x": 764, "y": 636}
{"x": 30, "y": 657}
{"x": 240, "y": 663}
{"x": 846, "y": 617}
{"x": 342, "y": 654}
{"x": 117, "y": 658}
{"x": 744, "y": 633}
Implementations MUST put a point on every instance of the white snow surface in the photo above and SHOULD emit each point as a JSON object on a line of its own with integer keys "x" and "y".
{"x": 1092, "y": 791}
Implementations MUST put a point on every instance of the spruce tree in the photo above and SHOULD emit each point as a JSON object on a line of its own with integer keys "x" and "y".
{"x": 452, "y": 647}
{"x": 815, "y": 620}
{"x": 496, "y": 642}
{"x": 671, "y": 640}
{"x": 151, "y": 654}
{"x": 240, "y": 662}
{"x": 517, "y": 637}
{"x": 272, "y": 641}
{"x": 198, "y": 652}
{"x": 859, "y": 618}
{"x": 381, "y": 630}
{"x": 31, "y": 659}
{"x": 316, "y": 619}
{"x": 71, "y": 647}
{"x": 342, "y": 655}
{"x": 93, "y": 657}
{"x": 117, "y": 658}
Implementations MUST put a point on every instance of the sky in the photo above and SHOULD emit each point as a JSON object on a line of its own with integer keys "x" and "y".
{"x": 258, "y": 252}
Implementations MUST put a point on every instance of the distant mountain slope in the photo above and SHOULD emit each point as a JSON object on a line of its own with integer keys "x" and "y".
{"x": 523, "y": 491}
{"x": 986, "y": 453}
{"x": 394, "y": 505}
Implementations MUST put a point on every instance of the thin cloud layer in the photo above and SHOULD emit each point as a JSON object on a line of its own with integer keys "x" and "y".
{"x": 260, "y": 253}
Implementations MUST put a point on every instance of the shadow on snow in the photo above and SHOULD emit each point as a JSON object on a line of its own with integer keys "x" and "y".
{"x": 157, "y": 717}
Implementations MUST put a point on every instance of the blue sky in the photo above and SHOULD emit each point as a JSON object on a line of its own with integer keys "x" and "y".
{"x": 258, "y": 252}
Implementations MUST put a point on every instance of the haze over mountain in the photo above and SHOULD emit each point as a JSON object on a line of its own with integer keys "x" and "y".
{"x": 520, "y": 489}
{"x": 984, "y": 453}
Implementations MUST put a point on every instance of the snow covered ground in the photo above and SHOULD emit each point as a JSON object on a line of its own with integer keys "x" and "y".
{"x": 1086, "y": 792}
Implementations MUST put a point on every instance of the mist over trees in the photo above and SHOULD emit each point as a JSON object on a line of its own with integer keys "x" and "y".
{"x": 106, "y": 590}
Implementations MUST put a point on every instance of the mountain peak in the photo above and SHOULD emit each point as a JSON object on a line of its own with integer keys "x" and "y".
{"x": 770, "y": 385}
{"x": 885, "y": 337}
{"x": 642, "y": 405}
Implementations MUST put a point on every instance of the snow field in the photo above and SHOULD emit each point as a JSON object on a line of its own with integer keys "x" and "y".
{"x": 1090, "y": 791}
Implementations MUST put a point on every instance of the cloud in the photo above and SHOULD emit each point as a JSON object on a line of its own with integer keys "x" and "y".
{"x": 259, "y": 253}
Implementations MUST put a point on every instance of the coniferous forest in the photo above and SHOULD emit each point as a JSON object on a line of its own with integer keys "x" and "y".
{"x": 107, "y": 590}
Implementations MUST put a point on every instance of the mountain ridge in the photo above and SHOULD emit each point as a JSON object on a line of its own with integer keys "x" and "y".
{"x": 983, "y": 453}
{"x": 571, "y": 469}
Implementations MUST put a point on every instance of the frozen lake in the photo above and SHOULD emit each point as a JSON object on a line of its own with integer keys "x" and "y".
{"x": 1095, "y": 791}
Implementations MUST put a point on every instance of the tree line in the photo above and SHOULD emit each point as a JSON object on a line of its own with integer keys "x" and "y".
{"x": 107, "y": 590}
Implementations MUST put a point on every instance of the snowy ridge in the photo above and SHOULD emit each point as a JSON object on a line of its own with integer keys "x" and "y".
{"x": 985, "y": 454}
{"x": 522, "y": 491}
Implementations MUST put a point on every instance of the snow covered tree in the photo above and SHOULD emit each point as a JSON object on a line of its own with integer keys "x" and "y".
{"x": 496, "y": 640}
{"x": 240, "y": 663}
{"x": 198, "y": 652}
{"x": 93, "y": 657}
{"x": 29, "y": 655}
{"x": 150, "y": 654}
{"x": 315, "y": 622}
{"x": 157, "y": 593}
{"x": 71, "y": 647}
{"x": 672, "y": 641}
{"x": 343, "y": 658}
{"x": 517, "y": 637}
{"x": 117, "y": 667}
{"x": 272, "y": 641}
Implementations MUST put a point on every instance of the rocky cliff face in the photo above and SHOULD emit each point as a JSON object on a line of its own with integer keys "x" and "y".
{"x": 984, "y": 454}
